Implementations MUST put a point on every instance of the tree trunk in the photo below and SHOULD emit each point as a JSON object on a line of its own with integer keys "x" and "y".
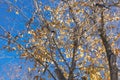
{"x": 59, "y": 74}
{"x": 110, "y": 55}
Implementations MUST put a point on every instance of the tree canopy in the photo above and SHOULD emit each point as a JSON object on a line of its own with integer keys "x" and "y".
{"x": 68, "y": 39}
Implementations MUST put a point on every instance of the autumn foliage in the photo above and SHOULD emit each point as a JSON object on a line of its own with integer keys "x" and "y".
{"x": 74, "y": 40}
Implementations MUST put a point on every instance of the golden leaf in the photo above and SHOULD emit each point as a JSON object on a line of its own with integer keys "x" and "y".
{"x": 33, "y": 69}
{"x": 30, "y": 32}
{"x": 67, "y": 55}
{"x": 19, "y": 46}
{"x": 29, "y": 69}
{"x": 24, "y": 54}
{"x": 65, "y": 74}
{"x": 117, "y": 37}
{"x": 47, "y": 8}
{"x": 80, "y": 47}
{"x": 69, "y": 21}
{"x": 78, "y": 10}
{"x": 117, "y": 51}
{"x": 75, "y": 4}
{"x": 93, "y": 77}
{"x": 17, "y": 12}
{"x": 81, "y": 54}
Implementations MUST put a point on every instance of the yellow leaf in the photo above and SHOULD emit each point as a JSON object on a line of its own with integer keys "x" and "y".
{"x": 69, "y": 21}
{"x": 33, "y": 69}
{"x": 78, "y": 10}
{"x": 29, "y": 69}
{"x": 24, "y": 54}
{"x": 116, "y": 51}
{"x": 82, "y": 10}
{"x": 65, "y": 74}
{"x": 30, "y": 32}
{"x": 19, "y": 46}
{"x": 93, "y": 77}
{"x": 117, "y": 37}
{"x": 47, "y": 8}
{"x": 75, "y": 4}
{"x": 81, "y": 54}
{"x": 17, "y": 12}
{"x": 67, "y": 55}
{"x": 79, "y": 47}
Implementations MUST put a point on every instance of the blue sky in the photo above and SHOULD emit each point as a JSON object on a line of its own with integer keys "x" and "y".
{"x": 14, "y": 23}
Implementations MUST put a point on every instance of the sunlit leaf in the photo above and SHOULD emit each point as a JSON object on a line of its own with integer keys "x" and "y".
{"x": 47, "y": 8}
{"x": 17, "y": 12}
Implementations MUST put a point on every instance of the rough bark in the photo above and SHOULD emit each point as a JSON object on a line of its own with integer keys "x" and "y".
{"x": 59, "y": 74}
{"x": 110, "y": 55}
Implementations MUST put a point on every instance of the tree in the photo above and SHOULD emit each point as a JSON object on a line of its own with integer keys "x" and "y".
{"x": 71, "y": 41}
